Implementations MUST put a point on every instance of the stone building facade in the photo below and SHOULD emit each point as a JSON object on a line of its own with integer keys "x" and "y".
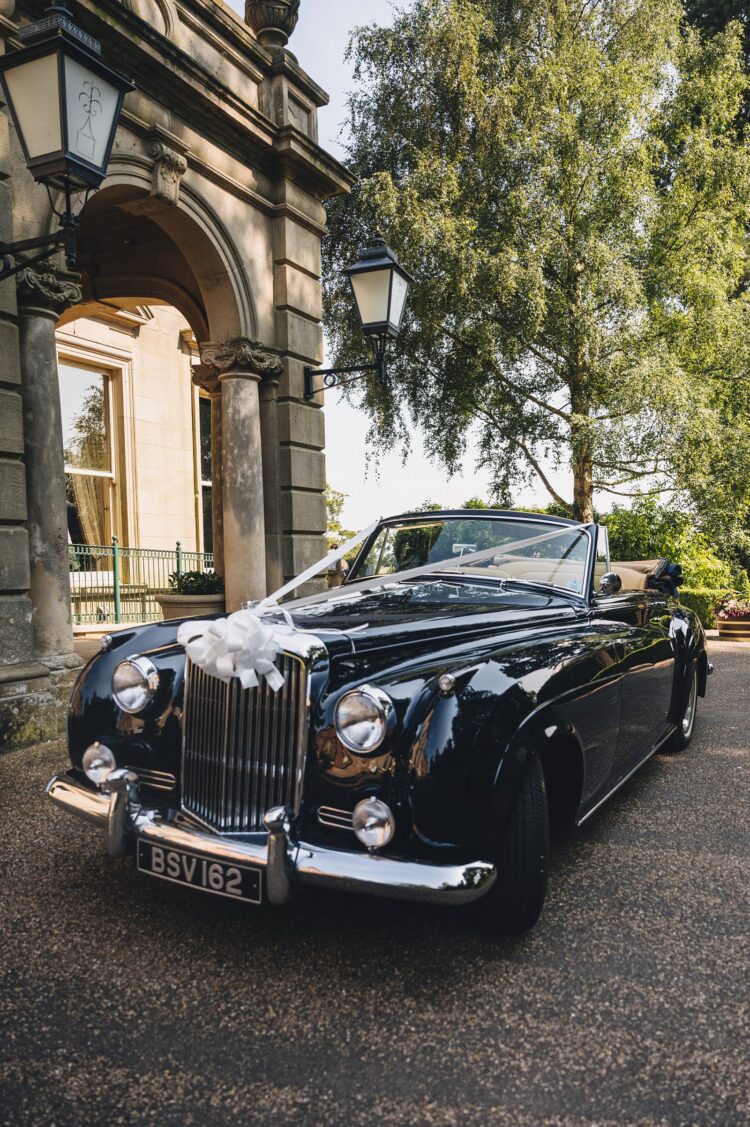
{"x": 213, "y": 204}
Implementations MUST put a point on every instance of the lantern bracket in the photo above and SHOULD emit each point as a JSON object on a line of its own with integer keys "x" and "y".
{"x": 47, "y": 245}
{"x": 330, "y": 375}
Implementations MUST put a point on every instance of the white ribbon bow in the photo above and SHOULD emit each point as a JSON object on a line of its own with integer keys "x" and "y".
{"x": 239, "y": 645}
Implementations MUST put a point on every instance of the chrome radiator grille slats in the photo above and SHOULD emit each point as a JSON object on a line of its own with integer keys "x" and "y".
{"x": 243, "y": 749}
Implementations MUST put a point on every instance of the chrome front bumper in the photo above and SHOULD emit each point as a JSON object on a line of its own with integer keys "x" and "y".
{"x": 284, "y": 860}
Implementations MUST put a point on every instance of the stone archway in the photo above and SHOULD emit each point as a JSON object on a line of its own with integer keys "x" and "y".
{"x": 213, "y": 203}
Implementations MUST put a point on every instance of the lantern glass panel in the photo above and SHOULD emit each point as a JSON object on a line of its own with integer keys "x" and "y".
{"x": 398, "y": 300}
{"x": 91, "y": 109}
{"x": 371, "y": 292}
{"x": 34, "y": 91}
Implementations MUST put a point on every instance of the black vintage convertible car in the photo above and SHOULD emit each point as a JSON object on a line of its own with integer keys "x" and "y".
{"x": 478, "y": 676}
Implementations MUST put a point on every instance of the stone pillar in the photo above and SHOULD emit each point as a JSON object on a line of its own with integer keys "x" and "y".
{"x": 206, "y": 379}
{"x": 240, "y": 365}
{"x": 42, "y": 296}
{"x": 269, "y": 428}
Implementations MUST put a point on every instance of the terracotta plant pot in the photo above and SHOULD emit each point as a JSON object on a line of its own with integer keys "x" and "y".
{"x": 734, "y": 629}
{"x": 273, "y": 21}
{"x": 190, "y": 606}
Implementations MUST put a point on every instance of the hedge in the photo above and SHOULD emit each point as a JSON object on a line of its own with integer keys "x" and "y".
{"x": 702, "y": 600}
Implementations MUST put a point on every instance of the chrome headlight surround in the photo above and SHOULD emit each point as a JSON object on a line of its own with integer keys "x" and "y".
{"x": 363, "y": 719}
{"x": 134, "y": 684}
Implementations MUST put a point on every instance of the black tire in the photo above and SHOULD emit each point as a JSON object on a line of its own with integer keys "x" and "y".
{"x": 515, "y": 901}
{"x": 683, "y": 733}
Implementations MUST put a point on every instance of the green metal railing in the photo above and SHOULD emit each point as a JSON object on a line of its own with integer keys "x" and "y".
{"x": 109, "y": 583}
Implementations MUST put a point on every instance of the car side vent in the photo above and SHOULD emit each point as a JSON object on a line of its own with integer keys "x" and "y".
{"x": 335, "y": 819}
{"x": 157, "y": 780}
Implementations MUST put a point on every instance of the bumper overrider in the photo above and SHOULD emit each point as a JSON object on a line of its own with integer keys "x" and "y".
{"x": 283, "y": 861}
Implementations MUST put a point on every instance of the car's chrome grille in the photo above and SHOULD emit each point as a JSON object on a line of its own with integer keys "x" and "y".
{"x": 243, "y": 749}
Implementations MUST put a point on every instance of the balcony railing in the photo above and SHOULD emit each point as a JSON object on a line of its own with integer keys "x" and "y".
{"x": 109, "y": 583}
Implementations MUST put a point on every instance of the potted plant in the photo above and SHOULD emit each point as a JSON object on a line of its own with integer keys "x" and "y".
{"x": 733, "y": 618}
{"x": 192, "y": 594}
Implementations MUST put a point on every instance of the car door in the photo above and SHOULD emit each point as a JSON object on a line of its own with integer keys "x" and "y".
{"x": 646, "y": 662}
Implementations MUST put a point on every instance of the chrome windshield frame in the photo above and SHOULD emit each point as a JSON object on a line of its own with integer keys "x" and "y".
{"x": 589, "y": 529}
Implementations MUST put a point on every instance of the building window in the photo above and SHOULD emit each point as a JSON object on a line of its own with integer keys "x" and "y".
{"x": 204, "y": 414}
{"x": 89, "y": 453}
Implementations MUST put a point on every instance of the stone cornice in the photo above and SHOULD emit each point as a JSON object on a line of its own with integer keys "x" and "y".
{"x": 240, "y": 357}
{"x": 47, "y": 289}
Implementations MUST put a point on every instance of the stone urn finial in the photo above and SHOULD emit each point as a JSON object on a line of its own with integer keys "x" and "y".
{"x": 273, "y": 21}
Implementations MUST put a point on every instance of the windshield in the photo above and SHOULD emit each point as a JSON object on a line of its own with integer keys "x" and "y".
{"x": 523, "y": 550}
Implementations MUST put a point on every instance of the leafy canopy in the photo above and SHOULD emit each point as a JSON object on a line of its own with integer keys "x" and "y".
{"x": 565, "y": 180}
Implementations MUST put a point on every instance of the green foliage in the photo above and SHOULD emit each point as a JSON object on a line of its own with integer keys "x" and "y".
{"x": 196, "y": 583}
{"x": 651, "y": 531}
{"x": 566, "y": 182}
{"x": 704, "y": 601}
{"x": 335, "y": 531}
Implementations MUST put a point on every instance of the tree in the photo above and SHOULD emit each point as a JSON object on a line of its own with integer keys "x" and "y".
{"x": 715, "y": 15}
{"x": 335, "y": 532}
{"x": 565, "y": 180}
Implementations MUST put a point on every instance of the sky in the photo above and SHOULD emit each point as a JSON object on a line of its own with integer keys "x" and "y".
{"x": 391, "y": 485}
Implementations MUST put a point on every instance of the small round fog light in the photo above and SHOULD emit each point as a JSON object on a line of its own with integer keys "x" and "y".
{"x": 373, "y": 823}
{"x": 98, "y": 763}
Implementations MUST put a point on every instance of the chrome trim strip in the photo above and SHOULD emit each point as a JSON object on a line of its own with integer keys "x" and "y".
{"x": 334, "y": 819}
{"x": 313, "y": 865}
{"x": 156, "y": 780}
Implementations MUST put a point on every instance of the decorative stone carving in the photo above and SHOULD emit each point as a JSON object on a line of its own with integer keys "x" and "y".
{"x": 273, "y": 21}
{"x": 241, "y": 356}
{"x": 169, "y": 168}
{"x": 47, "y": 289}
{"x": 206, "y": 379}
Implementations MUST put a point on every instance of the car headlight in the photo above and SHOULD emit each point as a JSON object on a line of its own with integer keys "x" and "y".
{"x": 363, "y": 717}
{"x": 134, "y": 684}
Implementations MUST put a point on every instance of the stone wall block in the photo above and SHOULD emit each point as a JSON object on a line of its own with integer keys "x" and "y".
{"x": 11, "y": 423}
{"x": 12, "y": 490}
{"x": 298, "y": 292}
{"x": 301, "y": 425}
{"x": 10, "y": 366}
{"x": 298, "y": 336}
{"x": 304, "y": 512}
{"x": 7, "y": 288}
{"x": 297, "y": 245}
{"x": 15, "y": 629}
{"x": 300, "y": 552}
{"x": 302, "y": 469}
{"x": 14, "y": 559}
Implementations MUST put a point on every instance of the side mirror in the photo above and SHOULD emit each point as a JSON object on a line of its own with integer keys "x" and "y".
{"x": 610, "y": 584}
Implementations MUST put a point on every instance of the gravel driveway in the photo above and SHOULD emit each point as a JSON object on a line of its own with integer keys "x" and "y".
{"x": 127, "y": 1000}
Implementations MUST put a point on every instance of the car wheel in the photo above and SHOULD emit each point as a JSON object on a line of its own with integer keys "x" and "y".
{"x": 683, "y": 733}
{"x": 514, "y": 903}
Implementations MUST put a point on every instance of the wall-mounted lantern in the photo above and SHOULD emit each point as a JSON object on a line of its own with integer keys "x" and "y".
{"x": 380, "y": 286}
{"x": 65, "y": 104}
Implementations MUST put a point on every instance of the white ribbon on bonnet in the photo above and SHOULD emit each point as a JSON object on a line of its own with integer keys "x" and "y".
{"x": 242, "y": 645}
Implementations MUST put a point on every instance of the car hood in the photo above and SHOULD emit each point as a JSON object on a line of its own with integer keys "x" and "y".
{"x": 426, "y": 609}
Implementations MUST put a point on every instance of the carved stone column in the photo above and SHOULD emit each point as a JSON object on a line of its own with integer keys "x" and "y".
{"x": 240, "y": 365}
{"x": 42, "y": 296}
{"x": 269, "y": 429}
{"x": 207, "y": 380}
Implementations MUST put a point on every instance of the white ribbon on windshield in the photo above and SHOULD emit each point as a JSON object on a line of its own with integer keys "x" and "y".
{"x": 244, "y": 646}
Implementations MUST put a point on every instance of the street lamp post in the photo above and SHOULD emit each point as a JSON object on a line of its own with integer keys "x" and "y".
{"x": 380, "y": 286}
{"x": 65, "y": 104}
